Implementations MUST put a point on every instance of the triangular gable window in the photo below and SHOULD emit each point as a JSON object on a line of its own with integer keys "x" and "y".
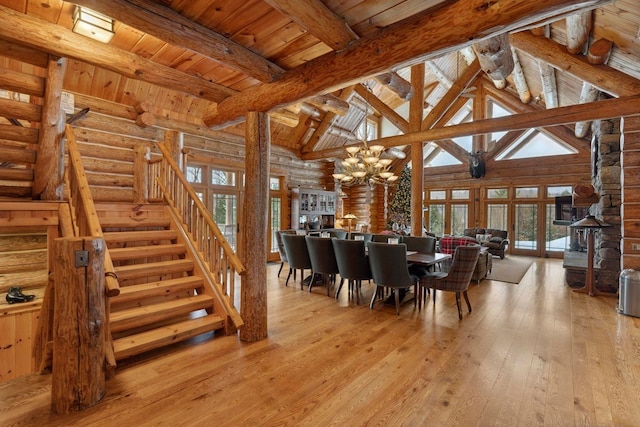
{"x": 533, "y": 143}
{"x": 436, "y": 156}
{"x": 463, "y": 115}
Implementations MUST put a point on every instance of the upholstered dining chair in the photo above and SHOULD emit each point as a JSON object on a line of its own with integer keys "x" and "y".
{"x": 353, "y": 264}
{"x": 389, "y": 268}
{"x": 456, "y": 280}
{"x": 338, "y": 234}
{"x": 419, "y": 244}
{"x": 281, "y": 251}
{"x": 295, "y": 247}
{"x": 366, "y": 237}
{"x": 323, "y": 260}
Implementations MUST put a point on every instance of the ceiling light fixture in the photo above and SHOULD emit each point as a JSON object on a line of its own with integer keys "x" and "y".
{"x": 92, "y": 24}
{"x": 364, "y": 164}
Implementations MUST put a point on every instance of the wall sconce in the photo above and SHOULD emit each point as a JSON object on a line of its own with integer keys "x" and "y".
{"x": 92, "y": 24}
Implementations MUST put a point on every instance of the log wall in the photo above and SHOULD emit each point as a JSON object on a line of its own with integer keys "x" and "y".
{"x": 630, "y": 162}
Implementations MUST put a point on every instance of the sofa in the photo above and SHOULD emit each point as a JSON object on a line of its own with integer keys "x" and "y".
{"x": 448, "y": 245}
{"x": 496, "y": 240}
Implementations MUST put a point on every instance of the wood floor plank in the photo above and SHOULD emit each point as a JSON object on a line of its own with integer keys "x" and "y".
{"x": 529, "y": 354}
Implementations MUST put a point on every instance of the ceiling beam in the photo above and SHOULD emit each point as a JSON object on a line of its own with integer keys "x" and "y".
{"x": 603, "y": 77}
{"x": 603, "y": 109}
{"x": 329, "y": 28}
{"x": 27, "y": 30}
{"x": 177, "y": 30}
{"x": 387, "y": 112}
{"x": 414, "y": 39}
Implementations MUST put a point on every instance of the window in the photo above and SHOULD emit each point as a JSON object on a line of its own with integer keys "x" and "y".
{"x": 438, "y": 195}
{"x": 274, "y": 183}
{"x": 194, "y": 174}
{"x": 220, "y": 177}
{"x": 460, "y": 194}
{"x": 497, "y": 193}
{"x": 527, "y": 193}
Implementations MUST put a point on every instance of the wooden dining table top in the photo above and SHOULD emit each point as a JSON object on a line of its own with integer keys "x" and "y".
{"x": 426, "y": 258}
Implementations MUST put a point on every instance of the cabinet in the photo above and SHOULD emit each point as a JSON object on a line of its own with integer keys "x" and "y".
{"x": 312, "y": 209}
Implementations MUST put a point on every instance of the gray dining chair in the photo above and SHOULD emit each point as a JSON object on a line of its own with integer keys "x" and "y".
{"x": 281, "y": 251}
{"x": 365, "y": 236}
{"x": 295, "y": 247}
{"x": 388, "y": 263}
{"x": 323, "y": 260}
{"x": 457, "y": 279}
{"x": 419, "y": 244}
{"x": 353, "y": 264}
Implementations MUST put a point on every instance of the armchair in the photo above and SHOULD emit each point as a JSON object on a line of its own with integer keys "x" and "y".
{"x": 456, "y": 280}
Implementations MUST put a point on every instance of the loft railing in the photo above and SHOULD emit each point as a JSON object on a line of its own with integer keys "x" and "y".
{"x": 167, "y": 182}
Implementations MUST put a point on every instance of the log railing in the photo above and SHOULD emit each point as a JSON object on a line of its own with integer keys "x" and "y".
{"x": 83, "y": 209}
{"x": 167, "y": 181}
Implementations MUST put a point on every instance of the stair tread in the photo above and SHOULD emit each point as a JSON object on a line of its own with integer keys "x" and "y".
{"x": 162, "y": 287}
{"x": 165, "y": 335}
{"x": 134, "y": 317}
{"x": 134, "y": 252}
{"x": 153, "y": 268}
{"x": 137, "y": 236}
{"x": 125, "y": 222}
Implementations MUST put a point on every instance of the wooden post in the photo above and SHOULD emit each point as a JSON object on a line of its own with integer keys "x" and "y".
{"x": 253, "y": 304}
{"x": 49, "y": 168}
{"x": 416, "y": 107}
{"x": 175, "y": 143}
{"x": 78, "y": 379}
{"x": 140, "y": 174}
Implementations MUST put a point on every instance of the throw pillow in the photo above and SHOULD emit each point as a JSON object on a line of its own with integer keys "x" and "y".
{"x": 496, "y": 239}
{"x": 482, "y": 238}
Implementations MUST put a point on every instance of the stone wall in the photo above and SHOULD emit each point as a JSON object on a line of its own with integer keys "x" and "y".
{"x": 606, "y": 178}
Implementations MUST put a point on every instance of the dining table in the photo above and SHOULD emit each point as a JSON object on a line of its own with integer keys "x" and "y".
{"x": 427, "y": 259}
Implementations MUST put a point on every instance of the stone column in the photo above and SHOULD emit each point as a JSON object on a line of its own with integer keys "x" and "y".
{"x": 606, "y": 181}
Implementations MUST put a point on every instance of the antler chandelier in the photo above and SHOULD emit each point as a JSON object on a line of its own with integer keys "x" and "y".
{"x": 364, "y": 166}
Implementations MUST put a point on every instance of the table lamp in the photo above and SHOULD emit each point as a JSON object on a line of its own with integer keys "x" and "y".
{"x": 349, "y": 217}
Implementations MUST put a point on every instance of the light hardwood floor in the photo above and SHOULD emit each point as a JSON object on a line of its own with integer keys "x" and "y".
{"x": 529, "y": 354}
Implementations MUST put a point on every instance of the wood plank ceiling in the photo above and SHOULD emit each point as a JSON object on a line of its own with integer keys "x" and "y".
{"x": 204, "y": 61}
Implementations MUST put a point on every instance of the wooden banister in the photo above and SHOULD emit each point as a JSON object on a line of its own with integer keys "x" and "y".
{"x": 84, "y": 210}
{"x": 167, "y": 181}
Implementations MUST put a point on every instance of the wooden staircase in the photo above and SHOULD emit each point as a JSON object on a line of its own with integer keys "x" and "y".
{"x": 163, "y": 298}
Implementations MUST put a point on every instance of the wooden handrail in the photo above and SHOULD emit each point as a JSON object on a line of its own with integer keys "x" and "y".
{"x": 84, "y": 209}
{"x": 168, "y": 182}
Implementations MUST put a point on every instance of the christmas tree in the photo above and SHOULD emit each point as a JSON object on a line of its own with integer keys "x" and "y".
{"x": 400, "y": 207}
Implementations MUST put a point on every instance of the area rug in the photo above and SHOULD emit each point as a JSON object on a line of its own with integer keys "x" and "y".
{"x": 510, "y": 269}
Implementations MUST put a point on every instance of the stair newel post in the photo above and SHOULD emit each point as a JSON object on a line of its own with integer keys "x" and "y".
{"x": 79, "y": 326}
{"x": 140, "y": 174}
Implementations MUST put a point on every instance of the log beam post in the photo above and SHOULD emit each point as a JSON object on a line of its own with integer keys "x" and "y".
{"x": 416, "y": 111}
{"x": 79, "y": 328}
{"x": 141, "y": 174}
{"x": 174, "y": 141}
{"x": 495, "y": 56}
{"x": 253, "y": 303}
{"x": 49, "y": 168}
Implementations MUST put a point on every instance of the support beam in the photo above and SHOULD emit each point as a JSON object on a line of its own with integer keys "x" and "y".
{"x": 162, "y": 22}
{"x": 578, "y": 31}
{"x": 405, "y": 42}
{"x": 389, "y": 113}
{"x": 49, "y": 170}
{"x": 36, "y": 33}
{"x": 549, "y": 89}
{"x": 495, "y": 56}
{"x": 603, "y": 109}
{"x": 603, "y": 77}
{"x": 253, "y": 304}
{"x": 519, "y": 79}
{"x": 416, "y": 111}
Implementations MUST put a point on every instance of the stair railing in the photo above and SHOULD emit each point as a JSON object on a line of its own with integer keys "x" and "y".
{"x": 167, "y": 181}
{"x": 83, "y": 209}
